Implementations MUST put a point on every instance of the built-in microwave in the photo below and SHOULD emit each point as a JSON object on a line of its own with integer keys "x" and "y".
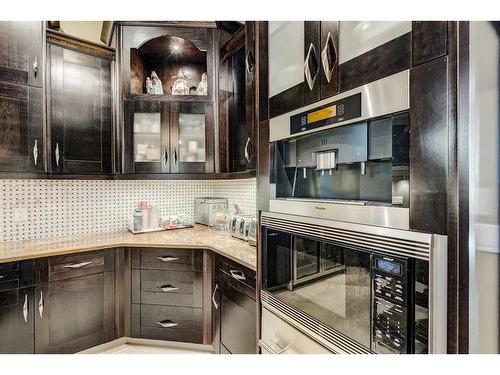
{"x": 355, "y": 288}
{"x": 347, "y": 157}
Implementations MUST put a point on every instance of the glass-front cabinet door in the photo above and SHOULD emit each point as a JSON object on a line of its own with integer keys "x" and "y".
{"x": 191, "y": 143}
{"x": 146, "y": 137}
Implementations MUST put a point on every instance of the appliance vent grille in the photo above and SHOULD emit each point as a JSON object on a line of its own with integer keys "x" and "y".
{"x": 375, "y": 242}
{"x": 331, "y": 338}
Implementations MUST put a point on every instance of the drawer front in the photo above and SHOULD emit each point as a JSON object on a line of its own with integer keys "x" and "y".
{"x": 74, "y": 265}
{"x": 279, "y": 337}
{"x": 172, "y": 259}
{"x": 171, "y": 323}
{"x": 238, "y": 276}
{"x": 176, "y": 288}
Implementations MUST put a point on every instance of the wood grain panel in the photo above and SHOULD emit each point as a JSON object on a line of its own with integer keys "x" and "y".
{"x": 428, "y": 146}
{"x": 429, "y": 40}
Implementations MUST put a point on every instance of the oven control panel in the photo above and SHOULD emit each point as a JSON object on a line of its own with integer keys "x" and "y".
{"x": 390, "y": 307}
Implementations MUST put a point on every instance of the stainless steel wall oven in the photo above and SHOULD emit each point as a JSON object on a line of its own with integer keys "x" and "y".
{"x": 353, "y": 288}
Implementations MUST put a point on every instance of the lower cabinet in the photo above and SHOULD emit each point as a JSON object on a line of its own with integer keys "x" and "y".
{"x": 75, "y": 308}
{"x": 16, "y": 321}
{"x": 167, "y": 294}
{"x": 235, "y": 309}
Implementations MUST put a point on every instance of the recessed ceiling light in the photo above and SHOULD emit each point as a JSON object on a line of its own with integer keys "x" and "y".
{"x": 176, "y": 47}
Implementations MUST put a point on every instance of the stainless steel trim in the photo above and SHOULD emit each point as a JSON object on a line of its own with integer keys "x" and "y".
{"x": 313, "y": 328}
{"x": 387, "y": 95}
{"x": 438, "y": 295}
{"x": 41, "y": 305}
{"x": 393, "y": 241}
{"x": 382, "y": 216}
{"x": 25, "y": 308}
{"x": 77, "y": 265}
{"x": 168, "y": 288}
{"x": 167, "y": 323}
{"x": 167, "y": 258}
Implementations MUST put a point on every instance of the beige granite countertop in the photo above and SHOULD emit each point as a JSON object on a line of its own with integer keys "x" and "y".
{"x": 199, "y": 237}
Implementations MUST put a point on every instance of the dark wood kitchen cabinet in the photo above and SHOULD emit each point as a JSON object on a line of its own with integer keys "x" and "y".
{"x": 167, "y": 295}
{"x": 21, "y": 119}
{"x": 75, "y": 302}
{"x": 303, "y": 63}
{"x": 168, "y": 137}
{"x": 169, "y": 129}
{"x": 235, "y": 311}
{"x": 79, "y": 107}
{"x": 237, "y": 126}
{"x": 17, "y": 308}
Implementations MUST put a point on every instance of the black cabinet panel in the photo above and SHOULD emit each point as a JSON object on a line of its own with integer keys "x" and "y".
{"x": 79, "y": 117}
{"x": 389, "y": 58}
{"x": 429, "y": 40}
{"x": 16, "y": 321}
{"x": 428, "y": 146}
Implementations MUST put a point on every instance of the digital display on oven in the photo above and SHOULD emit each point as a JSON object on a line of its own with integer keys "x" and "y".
{"x": 388, "y": 266}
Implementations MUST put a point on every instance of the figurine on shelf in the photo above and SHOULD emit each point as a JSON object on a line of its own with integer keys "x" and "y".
{"x": 157, "y": 86}
{"x": 203, "y": 86}
{"x": 180, "y": 86}
{"x": 149, "y": 85}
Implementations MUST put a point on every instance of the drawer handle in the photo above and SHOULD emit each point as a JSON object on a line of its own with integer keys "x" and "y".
{"x": 168, "y": 288}
{"x": 25, "y": 308}
{"x": 1, "y": 277}
{"x": 270, "y": 350}
{"x": 167, "y": 258}
{"x": 40, "y": 305}
{"x": 77, "y": 265}
{"x": 167, "y": 324}
{"x": 216, "y": 304}
{"x": 238, "y": 275}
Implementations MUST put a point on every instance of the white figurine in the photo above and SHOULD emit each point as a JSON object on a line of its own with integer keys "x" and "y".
{"x": 157, "y": 86}
{"x": 180, "y": 86}
{"x": 149, "y": 85}
{"x": 203, "y": 86}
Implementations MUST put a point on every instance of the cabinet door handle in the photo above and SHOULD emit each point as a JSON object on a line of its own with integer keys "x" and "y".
{"x": 1, "y": 277}
{"x": 167, "y": 258}
{"x": 77, "y": 265}
{"x": 311, "y": 67}
{"x": 25, "y": 308}
{"x": 35, "y": 152}
{"x": 174, "y": 155}
{"x": 214, "y": 301}
{"x": 167, "y": 323}
{"x": 56, "y": 152}
{"x": 35, "y": 66}
{"x": 165, "y": 152}
{"x": 40, "y": 305}
{"x": 329, "y": 57}
{"x": 238, "y": 275}
{"x": 270, "y": 350}
{"x": 168, "y": 288}
{"x": 248, "y": 156}
{"x": 250, "y": 62}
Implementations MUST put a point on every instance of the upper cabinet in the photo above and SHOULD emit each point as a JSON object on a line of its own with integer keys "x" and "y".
{"x": 167, "y": 76}
{"x": 21, "y": 108}
{"x": 237, "y": 73}
{"x": 303, "y": 63}
{"x": 79, "y": 118}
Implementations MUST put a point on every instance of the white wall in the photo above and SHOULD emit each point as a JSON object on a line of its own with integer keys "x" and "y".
{"x": 483, "y": 176}
{"x": 88, "y": 30}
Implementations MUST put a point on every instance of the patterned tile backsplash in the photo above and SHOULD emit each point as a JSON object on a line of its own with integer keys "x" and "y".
{"x": 32, "y": 209}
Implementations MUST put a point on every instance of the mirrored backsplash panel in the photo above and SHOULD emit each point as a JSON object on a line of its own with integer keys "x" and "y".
{"x": 31, "y": 209}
